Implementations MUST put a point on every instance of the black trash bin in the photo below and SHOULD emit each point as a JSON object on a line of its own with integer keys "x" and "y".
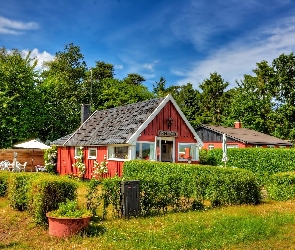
{"x": 130, "y": 198}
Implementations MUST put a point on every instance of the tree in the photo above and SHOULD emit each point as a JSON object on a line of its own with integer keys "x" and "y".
{"x": 63, "y": 92}
{"x": 252, "y": 102}
{"x": 212, "y": 99}
{"x": 18, "y": 97}
{"x": 102, "y": 70}
{"x": 159, "y": 88}
{"x": 134, "y": 79}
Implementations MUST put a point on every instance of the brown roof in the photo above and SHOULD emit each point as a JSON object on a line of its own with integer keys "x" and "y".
{"x": 247, "y": 136}
{"x": 112, "y": 126}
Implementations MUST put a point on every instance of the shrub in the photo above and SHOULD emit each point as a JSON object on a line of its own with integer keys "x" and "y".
{"x": 50, "y": 159}
{"x": 47, "y": 191}
{"x": 182, "y": 186}
{"x": 281, "y": 186}
{"x": 18, "y": 187}
{"x": 4, "y": 175}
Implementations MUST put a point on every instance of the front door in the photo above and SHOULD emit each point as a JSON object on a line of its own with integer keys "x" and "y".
{"x": 164, "y": 149}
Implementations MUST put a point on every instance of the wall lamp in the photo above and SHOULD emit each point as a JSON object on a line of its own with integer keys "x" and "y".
{"x": 169, "y": 122}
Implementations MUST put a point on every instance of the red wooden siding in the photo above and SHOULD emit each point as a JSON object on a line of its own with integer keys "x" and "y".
{"x": 66, "y": 159}
{"x": 160, "y": 123}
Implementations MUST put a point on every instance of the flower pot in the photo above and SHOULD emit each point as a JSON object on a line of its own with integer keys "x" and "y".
{"x": 64, "y": 227}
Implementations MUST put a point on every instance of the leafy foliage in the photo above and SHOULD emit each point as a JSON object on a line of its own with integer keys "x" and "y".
{"x": 50, "y": 159}
{"x": 69, "y": 209}
{"x": 281, "y": 186}
{"x": 183, "y": 186}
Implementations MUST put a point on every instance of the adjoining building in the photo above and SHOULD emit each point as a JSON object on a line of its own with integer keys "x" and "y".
{"x": 237, "y": 137}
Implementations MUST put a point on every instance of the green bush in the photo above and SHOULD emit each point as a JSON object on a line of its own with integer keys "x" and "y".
{"x": 4, "y": 175}
{"x": 281, "y": 186}
{"x": 261, "y": 161}
{"x": 18, "y": 187}
{"x": 182, "y": 186}
{"x": 50, "y": 159}
{"x": 47, "y": 191}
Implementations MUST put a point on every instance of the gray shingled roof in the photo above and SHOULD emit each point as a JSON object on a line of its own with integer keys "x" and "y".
{"x": 113, "y": 126}
{"x": 61, "y": 140}
{"x": 247, "y": 136}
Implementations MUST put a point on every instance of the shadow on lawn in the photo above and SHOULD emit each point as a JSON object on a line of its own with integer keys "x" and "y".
{"x": 94, "y": 230}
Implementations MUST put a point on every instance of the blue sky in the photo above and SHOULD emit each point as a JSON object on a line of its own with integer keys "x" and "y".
{"x": 181, "y": 40}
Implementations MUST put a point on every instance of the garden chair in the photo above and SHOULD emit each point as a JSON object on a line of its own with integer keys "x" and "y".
{"x": 4, "y": 165}
{"x": 21, "y": 167}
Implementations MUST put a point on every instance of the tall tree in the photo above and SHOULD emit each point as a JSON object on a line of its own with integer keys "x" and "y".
{"x": 63, "y": 92}
{"x": 213, "y": 99}
{"x": 102, "y": 70}
{"x": 159, "y": 88}
{"x": 18, "y": 97}
{"x": 134, "y": 79}
{"x": 252, "y": 103}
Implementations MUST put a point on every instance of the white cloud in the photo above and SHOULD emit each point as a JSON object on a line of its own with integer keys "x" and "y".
{"x": 118, "y": 66}
{"x": 150, "y": 66}
{"x": 40, "y": 56}
{"x": 13, "y": 27}
{"x": 240, "y": 57}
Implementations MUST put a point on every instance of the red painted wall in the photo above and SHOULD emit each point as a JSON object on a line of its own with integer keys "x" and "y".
{"x": 240, "y": 145}
{"x": 66, "y": 159}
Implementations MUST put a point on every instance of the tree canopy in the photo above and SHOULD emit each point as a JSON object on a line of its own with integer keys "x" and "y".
{"x": 46, "y": 103}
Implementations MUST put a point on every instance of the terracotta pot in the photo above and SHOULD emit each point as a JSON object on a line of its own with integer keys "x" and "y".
{"x": 64, "y": 227}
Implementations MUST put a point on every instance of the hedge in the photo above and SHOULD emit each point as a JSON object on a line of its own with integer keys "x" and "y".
{"x": 184, "y": 186}
{"x": 281, "y": 186}
{"x": 46, "y": 192}
{"x": 4, "y": 175}
{"x": 261, "y": 161}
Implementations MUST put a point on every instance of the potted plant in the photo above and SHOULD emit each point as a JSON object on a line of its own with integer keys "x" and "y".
{"x": 68, "y": 219}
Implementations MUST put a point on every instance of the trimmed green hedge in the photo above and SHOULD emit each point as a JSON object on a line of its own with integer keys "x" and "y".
{"x": 18, "y": 187}
{"x": 183, "y": 186}
{"x": 281, "y": 186}
{"x": 4, "y": 175}
{"x": 46, "y": 192}
{"x": 261, "y": 161}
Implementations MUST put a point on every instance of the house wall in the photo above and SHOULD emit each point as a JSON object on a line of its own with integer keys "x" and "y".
{"x": 66, "y": 159}
{"x": 160, "y": 122}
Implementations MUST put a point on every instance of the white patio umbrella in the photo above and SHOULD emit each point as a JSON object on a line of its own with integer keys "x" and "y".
{"x": 224, "y": 149}
{"x": 32, "y": 144}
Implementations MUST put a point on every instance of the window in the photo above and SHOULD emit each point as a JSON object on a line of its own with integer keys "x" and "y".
{"x": 145, "y": 150}
{"x": 282, "y": 146}
{"x": 118, "y": 152}
{"x": 92, "y": 153}
{"x": 77, "y": 151}
{"x": 258, "y": 146}
{"x": 211, "y": 146}
{"x": 187, "y": 151}
{"x": 232, "y": 146}
{"x": 271, "y": 146}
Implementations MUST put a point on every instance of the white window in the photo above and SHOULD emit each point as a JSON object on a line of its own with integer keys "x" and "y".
{"x": 187, "y": 151}
{"x": 145, "y": 150}
{"x": 77, "y": 151}
{"x": 258, "y": 146}
{"x": 118, "y": 152}
{"x": 282, "y": 146}
{"x": 211, "y": 146}
{"x": 271, "y": 146}
{"x": 232, "y": 146}
{"x": 92, "y": 153}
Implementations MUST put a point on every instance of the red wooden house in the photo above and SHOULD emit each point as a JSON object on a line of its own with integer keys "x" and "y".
{"x": 237, "y": 137}
{"x": 154, "y": 130}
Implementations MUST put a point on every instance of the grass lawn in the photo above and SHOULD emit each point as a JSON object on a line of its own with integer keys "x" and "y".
{"x": 270, "y": 225}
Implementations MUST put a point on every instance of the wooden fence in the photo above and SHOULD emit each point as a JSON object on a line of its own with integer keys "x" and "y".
{"x": 33, "y": 157}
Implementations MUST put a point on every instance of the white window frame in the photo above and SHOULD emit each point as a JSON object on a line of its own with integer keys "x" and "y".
{"x": 195, "y": 146}
{"x": 76, "y": 151}
{"x": 140, "y": 151}
{"x": 91, "y": 157}
{"x": 270, "y": 146}
{"x": 211, "y": 146}
{"x": 232, "y": 146}
{"x": 111, "y": 153}
{"x": 282, "y": 146}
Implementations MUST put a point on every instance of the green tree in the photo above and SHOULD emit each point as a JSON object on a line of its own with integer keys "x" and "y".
{"x": 252, "y": 102}
{"x": 212, "y": 100}
{"x": 63, "y": 91}
{"x": 134, "y": 79}
{"x": 159, "y": 88}
{"x": 18, "y": 97}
